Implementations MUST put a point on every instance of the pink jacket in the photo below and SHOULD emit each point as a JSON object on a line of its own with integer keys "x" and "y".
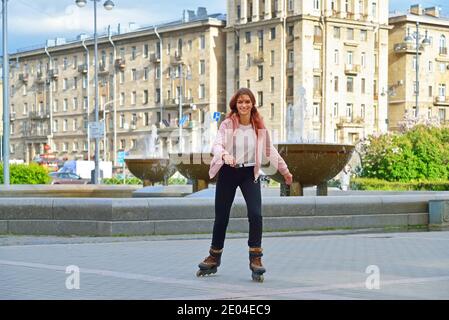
{"x": 223, "y": 144}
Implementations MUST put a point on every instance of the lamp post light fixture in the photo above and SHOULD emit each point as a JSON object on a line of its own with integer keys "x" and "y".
{"x": 416, "y": 39}
{"x": 108, "y": 5}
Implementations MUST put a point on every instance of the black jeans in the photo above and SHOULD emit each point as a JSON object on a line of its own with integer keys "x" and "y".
{"x": 228, "y": 180}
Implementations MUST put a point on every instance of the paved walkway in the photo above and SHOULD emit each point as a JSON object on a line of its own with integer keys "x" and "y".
{"x": 350, "y": 266}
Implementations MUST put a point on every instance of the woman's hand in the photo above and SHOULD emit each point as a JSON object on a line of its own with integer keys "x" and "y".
{"x": 288, "y": 179}
{"x": 229, "y": 160}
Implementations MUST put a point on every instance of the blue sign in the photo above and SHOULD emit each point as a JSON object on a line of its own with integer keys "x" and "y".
{"x": 217, "y": 116}
{"x": 183, "y": 120}
{"x": 121, "y": 157}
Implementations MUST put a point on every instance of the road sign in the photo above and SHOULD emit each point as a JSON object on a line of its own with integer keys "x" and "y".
{"x": 121, "y": 157}
{"x": 96, "y": 129}
{"x": 217, "y": 116}
{"x": 183, "y": 120}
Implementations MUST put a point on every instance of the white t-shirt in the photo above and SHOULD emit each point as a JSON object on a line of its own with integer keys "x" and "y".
{"x": 245, "y": 144}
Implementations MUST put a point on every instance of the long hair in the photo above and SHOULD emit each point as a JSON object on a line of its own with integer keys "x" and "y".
{"x": 255, "y": 118}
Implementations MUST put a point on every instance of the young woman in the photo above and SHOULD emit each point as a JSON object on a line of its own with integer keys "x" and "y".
{"x": 241, "y": 142}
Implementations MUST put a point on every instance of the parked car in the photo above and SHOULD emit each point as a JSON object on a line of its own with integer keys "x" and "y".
{"x": 67, "y": 178}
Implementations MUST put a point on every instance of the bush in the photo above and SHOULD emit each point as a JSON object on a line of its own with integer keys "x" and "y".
{"x": 129, "y": 181}
{"x": 26, "y": 174}
{"x": 420, "y": 154}
{"x": 377, "y": 184}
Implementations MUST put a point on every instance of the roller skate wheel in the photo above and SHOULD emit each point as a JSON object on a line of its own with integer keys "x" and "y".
{"x": 258, "y": 277}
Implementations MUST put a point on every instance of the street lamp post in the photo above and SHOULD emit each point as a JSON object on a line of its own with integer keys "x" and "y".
{"x": 5, "y": 144}
{"x": 416, "y": 37}
{"x": 108, "y": 5}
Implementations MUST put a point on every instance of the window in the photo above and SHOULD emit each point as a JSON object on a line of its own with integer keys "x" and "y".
{"x": 75, "y": 62}
{"x": 363, "y": 85}
{"x": 133, "y": 53}
{"x": 145, "y": 73}
{"x": 202, "y": 42}
{"x": 350, "y": 58}
{"x": 316, "y": 4}
{"x": 316, "y": 109}
{"x": 414, "y": 63}
{"x": 75, "y": 83}
{"x": 74, "y": 125}
{"x": 260, "y": 73}
{"x": 248, "y": 37}
{"x": 248, "y": 84}
{"x": 122, "y": 120}
{"x": 75, "y": 103}
{"x": 25, "y": 108}
{"x": 363, "y": 35}
{"x": 202, "y": 91}
{"x": 272, "y": 33}
{"x": 336, "y": 57}
{"x": 64, "y": 125}
{"x": 272, "y": 84}
{"x": 272, "y": 58}
{"x": 430, "y": 91}
{"x": 363, "y": 59}
{"x": 442, "y": 90}
{"x": 442, "y": 67}
{"x": 248, "y": 60}
{"x": 337, "y": 31}
{"x": 75, "y": 146}
{"x": 123, "y": 144}
{"x": 64, "y": 84}
{"x": 317, "y": 85}
{"x": 158, "y": 95}
{"x": 133, "y": 97}
{"x": 260, "y": 40}
{"x": 430, "y": 66}
{"x": 349, "y": 110}
{"x": 84, "y": 81}
{"x": 260, "y": 98}
{"x": 374, "y": 10}
{"x": 350, "y": 84}
{"x": 202, "y": 67}
{"x": 442, "y": 114}
{"x": 335, "y": 112}
{"x": 145, "y": 50}
{"x": 290, "y": 5}
{"x": 145, "y": 96}
{"x": 65, "y": 63}
{"x": 443, "y": 48}
{"x": 64, "y": 105}
{"x": 336, "y": 84}
{"x": 122, "y": 98}
{"x": 158, "y": 72}
{"x": 362, "y": 111}
{"x": 134, "y": 74}
{"x": 350, "y": 34}
{"x": 122, "y": 77}
{"x": 65, "y": 146}
{"x": 272, "y": 111}
{"x": 55, "y": 125}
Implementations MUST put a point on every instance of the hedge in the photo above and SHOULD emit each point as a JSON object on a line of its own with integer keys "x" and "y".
{"x": 377, "y": 184}
{"x": 26, "y": 174}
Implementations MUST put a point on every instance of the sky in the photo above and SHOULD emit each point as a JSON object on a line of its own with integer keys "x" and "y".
{"x": 32, "y": 22}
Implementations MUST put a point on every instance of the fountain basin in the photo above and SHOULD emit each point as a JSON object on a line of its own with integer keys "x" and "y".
{"x": 194, "y": 166}
{"x": 311, "y": 165}
{"x": 150, "y": 170}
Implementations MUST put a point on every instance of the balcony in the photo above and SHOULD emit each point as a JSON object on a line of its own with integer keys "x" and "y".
{"x": 35, "y": 133}
{"x": 177, "y": 58}
{"x": 258, "y": 58}
{"x": 289, "y": 92}
{"x": 120, "y": 64}
{"x": 53, "y": 74}
{"x": 39, "y": 115}
{"x": 352, "y": 69}
{"x": 102, "y": 69}
{"x": 82, "y": 68}
{"x": 441, "y": 101}
{"x": 40, "y": 79}
{"x": 409, "y": 48}
{"x": 351, "y": 122}
{"x": 170, "y": 102}
{"x": 24, "y": 77}
{"x": 155, "y": 58}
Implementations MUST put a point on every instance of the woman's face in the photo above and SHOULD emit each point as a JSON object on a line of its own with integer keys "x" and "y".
{"x": 244, "y": 105}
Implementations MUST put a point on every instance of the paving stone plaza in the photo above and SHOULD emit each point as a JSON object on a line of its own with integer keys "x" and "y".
{"x": 308, "y": 265}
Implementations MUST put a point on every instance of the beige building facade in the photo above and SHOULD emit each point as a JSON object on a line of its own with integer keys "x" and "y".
{"x": 433, "y": 66}
{"x": 144, "y": 76}
{"x": 328, "y": 55}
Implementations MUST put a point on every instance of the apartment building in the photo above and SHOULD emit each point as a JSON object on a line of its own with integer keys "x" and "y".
{"x": 432, "y": 65}
{"x": 144, "y": 76}
{"x": 333, "y": 52}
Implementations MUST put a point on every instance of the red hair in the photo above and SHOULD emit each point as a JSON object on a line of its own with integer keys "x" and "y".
{"x": 255, "y": 118}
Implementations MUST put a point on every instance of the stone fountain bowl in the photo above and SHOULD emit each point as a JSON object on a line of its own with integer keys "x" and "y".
{"x": 313, "y": 164}
{"x": 194, "y": 166}
{"x": 150, "y": 170}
